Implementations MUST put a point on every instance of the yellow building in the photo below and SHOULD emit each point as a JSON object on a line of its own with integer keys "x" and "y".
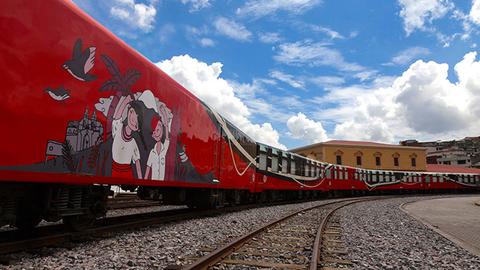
{"x": 367, "y": 155}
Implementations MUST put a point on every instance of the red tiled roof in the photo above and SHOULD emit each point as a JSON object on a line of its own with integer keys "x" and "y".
{"x": 341, "y": 142}
{"x": 357, "y": 143}
{"x": 450, "y": 169}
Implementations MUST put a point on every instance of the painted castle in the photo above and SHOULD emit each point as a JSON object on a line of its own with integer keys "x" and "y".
{"x": 85, "y": 133}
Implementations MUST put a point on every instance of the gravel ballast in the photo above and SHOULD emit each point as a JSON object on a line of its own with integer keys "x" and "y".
{"x": 154, "y": 247}
{"x": 379, "y": 235}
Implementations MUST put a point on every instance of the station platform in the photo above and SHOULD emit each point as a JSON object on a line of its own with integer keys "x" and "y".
{"x": 456, "y": 218}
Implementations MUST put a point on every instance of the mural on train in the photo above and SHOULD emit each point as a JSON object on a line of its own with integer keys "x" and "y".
{"x": 138, "y": 136}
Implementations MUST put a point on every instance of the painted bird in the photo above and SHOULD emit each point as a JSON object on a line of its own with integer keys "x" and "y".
{"x": 59, "y": 94}
{"x": 81, "y": 62}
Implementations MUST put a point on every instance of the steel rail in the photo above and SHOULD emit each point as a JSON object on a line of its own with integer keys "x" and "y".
{"x": 218, "y": 254}
{"x": 317, "y": 246}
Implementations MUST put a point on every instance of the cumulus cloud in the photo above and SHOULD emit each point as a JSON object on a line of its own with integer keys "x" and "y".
{"x": 475, "y": 12}
{"x": 422, "y": 103}
{"x": 260, "y": 8}
{"x": 232, "y": 29}
{"x": 418, "y": 14}
{"x": 314, "y": 54}
{"x": 300, "y": 127}
{"x": 408, "y": 55}
{"x": 196, "y": 4}
{"x": 288, "y": 79}
{"x": 136, "y": 15}
{"x": 204, "y": 81}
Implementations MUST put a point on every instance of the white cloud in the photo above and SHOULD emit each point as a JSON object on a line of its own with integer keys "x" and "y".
{"x": 259, "y": 8}
{"x": 196, "y": 4}
{"x": 407, "y": 56}
{"x": 269, "y": 37}
{"x": 204, "y": 81}
{"x": 232, "y": 29}
{"x": 475, "y": 12}
{"x": 327, "y": 31}
{"x": 422, "y": 103}
{"x": 314, "y": 54}
{"x": 206, "y": 42}
{"x": 327, "y": 81}
{"x": 300, "y": 127}
{"x": 418, "y": 14}
{"x": 165, "y": 32}
{"x": 197, "y": 35}
{"x": 136, "y": 15}
{"x": 288, "y": 79}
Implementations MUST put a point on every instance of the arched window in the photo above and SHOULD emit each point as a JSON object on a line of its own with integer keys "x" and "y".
{"x": 358, "y": 155}
{"x": 413, "y": 160}
{"x": 338, "y": 155}
{"x": 378, "y": 159}
{"x": 396, "y": 159}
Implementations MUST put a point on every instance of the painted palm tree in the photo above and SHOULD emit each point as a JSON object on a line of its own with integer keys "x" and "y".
{"x": 119, "y": 83}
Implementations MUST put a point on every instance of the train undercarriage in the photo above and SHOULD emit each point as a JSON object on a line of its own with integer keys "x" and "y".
{"x": 24, "y": 206}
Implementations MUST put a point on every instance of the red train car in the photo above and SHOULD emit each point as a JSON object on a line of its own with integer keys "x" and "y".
{"x": 82, "y": 111}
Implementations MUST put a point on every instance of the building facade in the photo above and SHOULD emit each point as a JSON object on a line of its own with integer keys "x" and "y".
{"x": 367, "y": 155}
{"x": 464, "y": 152}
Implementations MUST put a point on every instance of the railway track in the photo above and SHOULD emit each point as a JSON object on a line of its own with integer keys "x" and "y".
{"x": 295, "y": 241}
{"x": 53, "y": 235}
{"x": 56, "y": 235}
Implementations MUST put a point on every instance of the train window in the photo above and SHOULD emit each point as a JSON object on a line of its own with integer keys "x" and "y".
{"x": 328, "y": 172}
{"x": 428, "y": 178}
{"x": 434, "y": 178}
{"x": 381, "y": 177}
{"x": 307, "y": 170}
{"x": 292, "y": 166}
{"x": 284, "y": 163}
{"x": 269, "y": 158}
{"x": 274, "y": 160}
{"x": 356, "y": 175}
{"x": 262, "y": 161}
{"x": 340, "y": 174}
{"x": 440, "y": 178}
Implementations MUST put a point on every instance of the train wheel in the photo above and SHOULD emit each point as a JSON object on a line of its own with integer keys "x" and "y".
{"x": 29, "y": 214}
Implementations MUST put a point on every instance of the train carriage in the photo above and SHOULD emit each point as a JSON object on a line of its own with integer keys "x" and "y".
{"x": 82, "y": 111}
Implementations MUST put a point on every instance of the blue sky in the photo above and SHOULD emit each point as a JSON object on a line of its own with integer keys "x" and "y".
{"x": 294, "y": 72}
